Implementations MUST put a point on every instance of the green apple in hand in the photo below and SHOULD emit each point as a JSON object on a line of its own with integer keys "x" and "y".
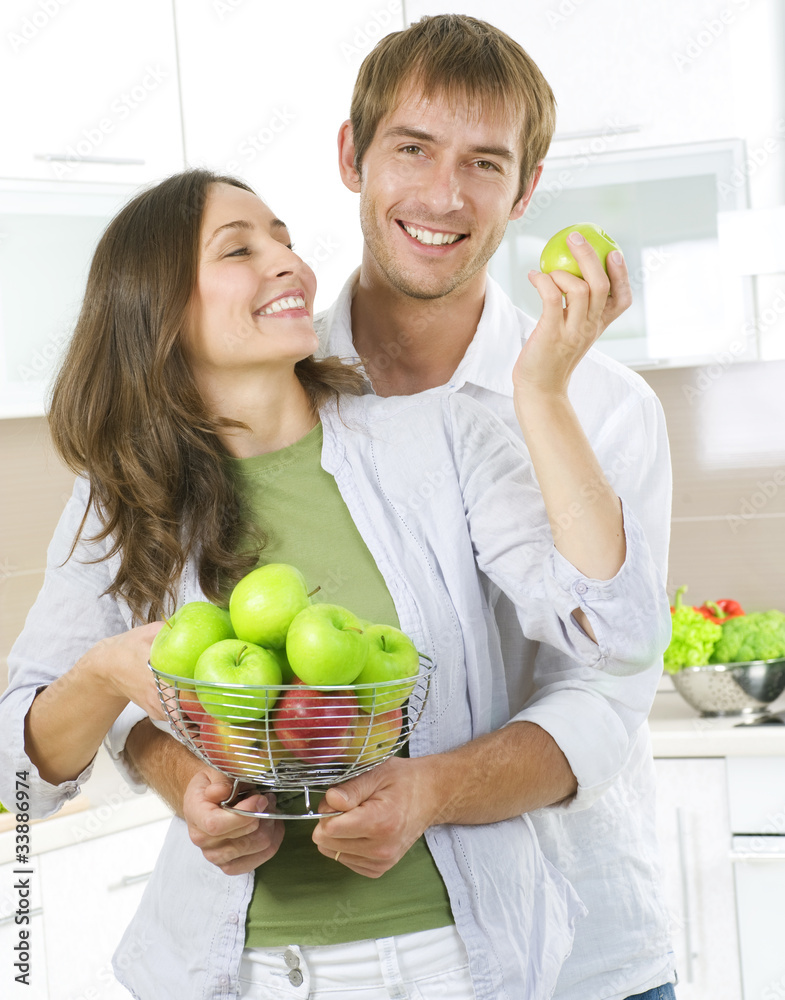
{"x": 263, "y": 604}
{"x": 234, "y": 661}
{"x": 391, "y": 656}
{"x": 186, "y": 635}
{"x": 326, "y": 645}
{"x": 557, "y": 256}
{"x": 191, "y": 630}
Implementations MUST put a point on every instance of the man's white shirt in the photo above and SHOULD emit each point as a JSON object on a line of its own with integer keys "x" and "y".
{"x": 603, "y": 840}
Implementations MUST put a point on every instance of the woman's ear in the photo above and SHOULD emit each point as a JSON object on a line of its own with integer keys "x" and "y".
{"x": 346, "y": 153}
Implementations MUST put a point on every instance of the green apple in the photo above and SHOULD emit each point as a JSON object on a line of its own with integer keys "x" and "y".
{"x": 326, "y": 645}
{"x": 234, "y": 661}
{"x": 186, "y": 635}
{"x": 263, "y": 604}
{"x": 557, "y": 256}
{"x": 391, "y": 656}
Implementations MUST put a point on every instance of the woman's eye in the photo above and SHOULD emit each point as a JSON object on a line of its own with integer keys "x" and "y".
{"x": 411, "y": 149}
{"x": 239, "y": 252}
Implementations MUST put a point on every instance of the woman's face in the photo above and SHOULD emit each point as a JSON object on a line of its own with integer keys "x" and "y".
{"x": 252, "y": 306}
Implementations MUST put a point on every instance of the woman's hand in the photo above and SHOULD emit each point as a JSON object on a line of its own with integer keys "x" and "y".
{"x": 120, "y": 664}
{"x": 566, "y": 332}
{"x": 70, "y": 717}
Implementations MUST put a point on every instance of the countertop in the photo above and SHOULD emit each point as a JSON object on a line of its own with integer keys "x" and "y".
{"x": 105, "y": 805}
{"x": 677, "y": 730}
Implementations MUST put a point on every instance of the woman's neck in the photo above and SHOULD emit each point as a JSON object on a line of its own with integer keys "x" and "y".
{"x": 275, "y": 408}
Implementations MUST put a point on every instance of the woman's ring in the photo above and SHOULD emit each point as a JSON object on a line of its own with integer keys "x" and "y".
{"x": 337, "y": 855}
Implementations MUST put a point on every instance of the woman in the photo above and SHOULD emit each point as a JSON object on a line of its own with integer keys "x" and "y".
{"x": 207, "y": 439}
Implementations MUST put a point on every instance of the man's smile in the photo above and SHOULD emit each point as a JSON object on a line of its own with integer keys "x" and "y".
{"x": 430, "y": 237}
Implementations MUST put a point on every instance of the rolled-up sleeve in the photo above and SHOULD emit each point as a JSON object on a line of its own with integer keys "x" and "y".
{"x": 514, "y": 547}
{"x": 71, "y": 613}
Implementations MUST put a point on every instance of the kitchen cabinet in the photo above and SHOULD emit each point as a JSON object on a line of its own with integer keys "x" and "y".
{"x": 626, "y": 77}
{"x": 91, "y": 91}
{"x": 268, "y": 111}
{"x": 757, "y": 815}
{"x": 82, "y": 898}
{"x": 10, "y": 937}
{"x": 693, "y": 830}
{"x": 90, "y": 893}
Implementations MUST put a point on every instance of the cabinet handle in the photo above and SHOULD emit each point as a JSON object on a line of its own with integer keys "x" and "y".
{"x": 595, "y": 133}
{"x": 36, "y": 912}
{"x": 685, "y": 891}
{"x": 130, "y": 880}
{"x": 122, "y": 161}
{"x": 752, "y": 856}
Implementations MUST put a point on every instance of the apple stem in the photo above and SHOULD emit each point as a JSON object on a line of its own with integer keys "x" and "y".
{"x": 314, "y": 592}
{"x": 384, "y": 644}
{"x": 352, "y": 628}
{"x": 240, "y": 654}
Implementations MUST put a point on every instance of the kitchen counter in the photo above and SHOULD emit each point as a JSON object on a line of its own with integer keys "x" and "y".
{"x": 106, "y": 804}
{"x": 677, "y": 730}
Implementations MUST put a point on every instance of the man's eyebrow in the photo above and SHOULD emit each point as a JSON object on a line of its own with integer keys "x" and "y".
{"x": 244, "y": 224}
{"x": 408, "y": 132}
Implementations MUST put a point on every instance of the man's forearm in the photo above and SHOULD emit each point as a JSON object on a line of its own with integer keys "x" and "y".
{"x": 163, "y": 763}
{"x": 508, "y": 772}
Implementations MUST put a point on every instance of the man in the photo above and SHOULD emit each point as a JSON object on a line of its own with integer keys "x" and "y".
{"x": 450, "y": 123}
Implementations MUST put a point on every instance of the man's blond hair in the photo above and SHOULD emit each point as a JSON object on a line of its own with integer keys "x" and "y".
{"x": 468, "y": 61}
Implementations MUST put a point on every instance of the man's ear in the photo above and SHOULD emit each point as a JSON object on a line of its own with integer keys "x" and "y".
{"x": 520, "y": 206}
{"x": 346, "y": 153}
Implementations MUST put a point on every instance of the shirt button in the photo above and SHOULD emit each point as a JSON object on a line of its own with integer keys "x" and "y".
{"x": 581, "y": 588}
{"x": 296, "y": 977}
{"x": 234, "y": 918}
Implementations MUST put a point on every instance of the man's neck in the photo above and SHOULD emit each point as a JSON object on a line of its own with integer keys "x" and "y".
{"x": 409, "y": 345}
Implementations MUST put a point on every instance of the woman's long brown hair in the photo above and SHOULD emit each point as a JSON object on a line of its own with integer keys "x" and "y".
{"x": 126, "y": 414}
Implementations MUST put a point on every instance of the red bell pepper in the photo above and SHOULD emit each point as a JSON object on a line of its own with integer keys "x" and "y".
{"x": 721, "y": 611}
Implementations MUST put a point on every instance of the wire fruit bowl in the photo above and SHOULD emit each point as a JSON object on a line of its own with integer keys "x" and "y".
{"x": 292, "y": 738}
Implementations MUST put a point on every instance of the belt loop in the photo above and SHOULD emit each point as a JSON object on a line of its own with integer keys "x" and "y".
{"x": 391, "y": 972}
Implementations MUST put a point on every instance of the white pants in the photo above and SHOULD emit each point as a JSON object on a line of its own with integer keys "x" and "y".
{"x": 426, "y": 965}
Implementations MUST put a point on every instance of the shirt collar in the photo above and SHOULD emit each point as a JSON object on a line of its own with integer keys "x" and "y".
{"x": 489, "y": 359}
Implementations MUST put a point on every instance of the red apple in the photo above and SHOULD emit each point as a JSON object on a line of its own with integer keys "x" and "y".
{"x": 315, "y": 726}
{"x": 232, "y": 748}
{"x": 190, "y": 704}
{"x": 374, "y": 737}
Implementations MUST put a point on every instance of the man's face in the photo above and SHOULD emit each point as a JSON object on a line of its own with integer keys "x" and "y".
{"x": 437, "y": 188}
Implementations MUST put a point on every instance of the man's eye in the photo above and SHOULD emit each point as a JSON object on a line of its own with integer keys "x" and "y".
{"x": 487, "y": 165}
{"x": 411, "y": 149}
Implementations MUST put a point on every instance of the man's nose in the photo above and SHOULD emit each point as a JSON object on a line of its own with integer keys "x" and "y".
{"x": 440, "y": 191}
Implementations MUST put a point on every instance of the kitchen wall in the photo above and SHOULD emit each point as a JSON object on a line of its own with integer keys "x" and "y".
{"x": 726, "y": 425}
{"x": 727, "y": 431}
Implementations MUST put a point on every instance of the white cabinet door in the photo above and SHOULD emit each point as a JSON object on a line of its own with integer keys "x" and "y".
{"x": 695, "y": 840}
{"x": 612, "y": 63}
{"x": 90, "y": 893}
{"x": 90, "y": 91}
{"x": 15, "y": 934}
{"x": 265, "y": 88}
